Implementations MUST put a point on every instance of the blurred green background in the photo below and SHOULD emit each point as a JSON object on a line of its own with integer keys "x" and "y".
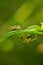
{"x": 23, "y": 13}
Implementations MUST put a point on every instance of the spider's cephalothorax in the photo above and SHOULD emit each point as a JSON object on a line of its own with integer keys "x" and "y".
{"x": 15, "y": 27}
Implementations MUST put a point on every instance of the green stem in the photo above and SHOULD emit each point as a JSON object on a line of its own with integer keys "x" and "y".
{"x": 30, "y": 30}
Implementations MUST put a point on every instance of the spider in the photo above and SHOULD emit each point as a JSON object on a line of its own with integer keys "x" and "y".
{"x": 15, "y": 27}
{"x": 29, "y": 38}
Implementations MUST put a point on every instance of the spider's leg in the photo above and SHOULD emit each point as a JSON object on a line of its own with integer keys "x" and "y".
{"x": 34, "y": 38}
{"x": 20, "y": 47}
